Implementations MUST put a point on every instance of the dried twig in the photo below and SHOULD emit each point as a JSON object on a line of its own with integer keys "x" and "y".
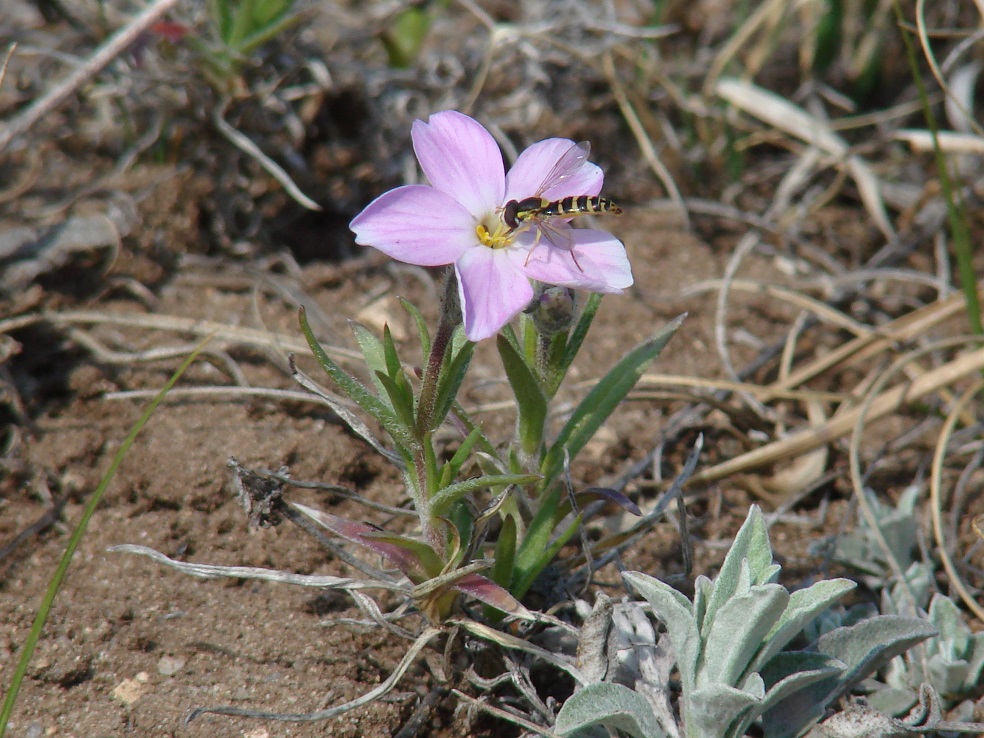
{"x": 114, "y": 46}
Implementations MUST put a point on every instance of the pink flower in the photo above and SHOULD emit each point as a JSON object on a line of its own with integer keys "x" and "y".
{"x": 457, "y": 219}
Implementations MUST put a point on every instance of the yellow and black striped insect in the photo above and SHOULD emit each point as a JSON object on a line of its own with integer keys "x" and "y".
{"x": 551, "y": 218}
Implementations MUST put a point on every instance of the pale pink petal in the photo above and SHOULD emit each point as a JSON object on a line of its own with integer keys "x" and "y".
{"x": 604, "y": 256}
{"x": 416, "y": 224}
{"x": 461, "y": 159}
{"x": 536, "y": 165}
{"x": 492, "y": 290}
{"x": 597, "y": 263}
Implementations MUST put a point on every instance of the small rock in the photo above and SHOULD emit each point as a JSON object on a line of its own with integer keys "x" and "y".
{"x": 170, "y": 665}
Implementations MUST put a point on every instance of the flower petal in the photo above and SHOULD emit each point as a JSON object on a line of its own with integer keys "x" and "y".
{"x": 461, "y": 159}
{"x": 535, "y": 173}
{"x": 416, "y": 224}
{"x": 604, "y": 256}
{"x": 492, "y": 290}
{"x": 597, "y": 263}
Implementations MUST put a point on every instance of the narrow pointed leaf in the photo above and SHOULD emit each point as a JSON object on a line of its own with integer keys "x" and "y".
{"x": 505, "y": 552}
{"x": 357, "y": 391}
{"x": 418, "y": 319}
{"x": 452, "y": 375}
{"x": 530, "y": 399}
{"x": 428, "y": 558}
{"x": 400, "y": 397}
{"x": 446, "y": 497}
{"x": 393, "y": 365}
{"x": 372, "y": 351}
{"x": 532, "y": 561}
{"x": 487, "y": 591}
{"x": 536, "y": 539}
{"x": 462, "y": 454}
{"x": 594, "y": 493}
{"x": 574, "y": 340}
{"x": 402, "y": 552}
{"x": 603, "y": 399}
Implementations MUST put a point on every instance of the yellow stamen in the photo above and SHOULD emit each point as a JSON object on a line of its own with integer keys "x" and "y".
{"x": 498, "y": 239}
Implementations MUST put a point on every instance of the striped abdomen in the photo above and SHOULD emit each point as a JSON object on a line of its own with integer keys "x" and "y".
{"x": 580, "y": 205}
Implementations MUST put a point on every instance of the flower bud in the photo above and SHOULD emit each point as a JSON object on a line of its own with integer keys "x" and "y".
{"x": 551, "y": 309}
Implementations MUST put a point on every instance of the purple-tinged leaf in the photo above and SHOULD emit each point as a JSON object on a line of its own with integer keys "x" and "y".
{"x": 611, "y": 495}
{"x": 487, "y": 591}
{"x": 404, "y": 553}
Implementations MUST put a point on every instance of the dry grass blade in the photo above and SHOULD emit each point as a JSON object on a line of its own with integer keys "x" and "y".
{"x": 505, "y": 715}
{"x": 950, "y": 142}
{"x": 783, "y": 115}
{"x": 422, "y": 640}
{"x": 767, "y": 12}
{"x": 192, "y": 326}
{"x": 642, "y": 138}
{"x": 505, "y": 640}
{"x": 114, "y": 46}
{"x": 936, "y": 500}
{"x": 212, "y": 571}
{"x": 967, "y": 116}
{"x": 873, "y": 342}
{"x": 842, "y": 424}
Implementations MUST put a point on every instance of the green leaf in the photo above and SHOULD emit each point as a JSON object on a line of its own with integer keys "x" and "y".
{"x": 405, "y": 37}
{"x": 572, "y": 345}
{"x": 505, "y": 552}
{"x": 393, "y": 365}
{"x": 442, "y": 501}
{"x": 449, "y": 382}
{"x": 602, "y": 401}
{"x": 536, "y": 551}
{"x": 453, "y": 467}
{"x": 418, "y": 319}
{"x": 372, "y": 351}
{"x": 402, "y": 434}
{"x": 400, "y": 397}
{"x": 532, "y": 403}
{"x": 537, "y": 537}
{"x": 612, "y": 705}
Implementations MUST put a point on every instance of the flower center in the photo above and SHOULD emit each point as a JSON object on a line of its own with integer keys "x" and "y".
{"x": 496, "y": 237}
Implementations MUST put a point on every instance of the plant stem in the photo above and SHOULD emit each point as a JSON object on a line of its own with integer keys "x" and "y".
{"x": 450, "y": 319}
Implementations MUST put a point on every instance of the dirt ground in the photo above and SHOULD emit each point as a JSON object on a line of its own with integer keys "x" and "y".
{"x": 131, "y": 648}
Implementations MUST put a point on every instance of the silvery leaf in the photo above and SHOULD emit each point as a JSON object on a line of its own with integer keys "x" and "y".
{"x": 611, "y": 705}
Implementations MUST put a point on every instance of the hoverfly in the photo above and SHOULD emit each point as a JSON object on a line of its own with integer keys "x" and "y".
{"x": 550, "y": 217}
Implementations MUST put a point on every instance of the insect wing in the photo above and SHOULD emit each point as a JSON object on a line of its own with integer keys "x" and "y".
{"x": 557, "y": 231}
{"x": 565, "y": 167}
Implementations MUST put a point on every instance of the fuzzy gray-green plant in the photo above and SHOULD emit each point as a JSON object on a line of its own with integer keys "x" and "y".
{"x": 728, "y": 646}
{"x": 952, "y": 663}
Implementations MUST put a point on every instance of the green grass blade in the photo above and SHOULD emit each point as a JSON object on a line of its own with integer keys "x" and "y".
{"x": 73, "y": 543}
{"x": 959, "y": 230}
